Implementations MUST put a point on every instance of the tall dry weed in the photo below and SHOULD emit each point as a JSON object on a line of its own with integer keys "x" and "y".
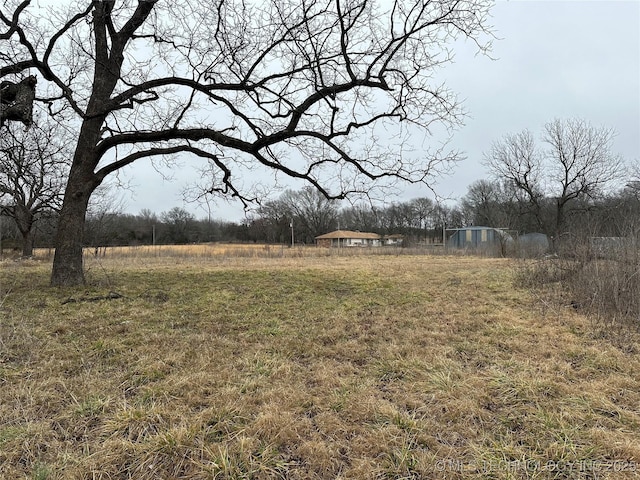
{"x": 604, "y": 283}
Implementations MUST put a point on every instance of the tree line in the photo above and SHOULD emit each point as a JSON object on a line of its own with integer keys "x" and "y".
{"x": 488, "y": 202}
{"x": 307, "y": 212}
{"x": 567, "y": 182}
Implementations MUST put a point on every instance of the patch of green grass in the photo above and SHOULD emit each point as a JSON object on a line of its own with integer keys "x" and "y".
{"x": 10, "y": 433}
{"x": 41, "y": 472}
{"x": 90, "y": 407}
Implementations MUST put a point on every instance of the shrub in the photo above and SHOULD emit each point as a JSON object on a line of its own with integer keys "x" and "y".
{"x": 600, "y": 278}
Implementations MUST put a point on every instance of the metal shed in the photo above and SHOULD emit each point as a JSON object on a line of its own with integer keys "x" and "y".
{"x": 532, "y": 244}
{"x": 476, "y": 237}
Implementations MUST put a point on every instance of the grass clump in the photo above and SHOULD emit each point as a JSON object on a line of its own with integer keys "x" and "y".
{"x": 305, "y": 368}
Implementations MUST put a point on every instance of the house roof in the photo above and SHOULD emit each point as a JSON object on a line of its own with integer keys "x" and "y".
{"x": 348, "y": 234}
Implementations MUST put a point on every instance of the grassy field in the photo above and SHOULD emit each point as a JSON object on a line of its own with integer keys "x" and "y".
{"x": 316, "y": 366}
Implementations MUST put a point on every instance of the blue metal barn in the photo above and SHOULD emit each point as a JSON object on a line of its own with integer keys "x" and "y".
{"x": 475, "y": 237}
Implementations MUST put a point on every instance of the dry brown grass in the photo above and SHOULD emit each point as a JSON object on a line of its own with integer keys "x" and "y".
{"x": 308, "y": 367}
{"x": 235, "y": 250}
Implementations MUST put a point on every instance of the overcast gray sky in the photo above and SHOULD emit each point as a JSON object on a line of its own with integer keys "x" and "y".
{"x": 552, "y": 59}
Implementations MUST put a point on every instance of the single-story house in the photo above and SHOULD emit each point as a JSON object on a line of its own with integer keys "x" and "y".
{"x": 396, "y": 239}
{"x": 476, "y": 237}
{"x": 346, "y": 238}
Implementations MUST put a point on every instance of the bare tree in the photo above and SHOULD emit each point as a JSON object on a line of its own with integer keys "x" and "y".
{"x": 516, "y": 160}
{"x": 581, "y": 163}
{"x": 312, "y": 213}
{"x": 423, "y": 213}
{"x": 313, "y": 90}
{"x": 577, "y": 164}
{"x": 105, "y": 206}
{"x": 179, "y": 226}
{"x": 272, "y": 221}
{"x": 362, "y": 216}
{"x": 33, "y": 169}
{"x": 485, "y": 204}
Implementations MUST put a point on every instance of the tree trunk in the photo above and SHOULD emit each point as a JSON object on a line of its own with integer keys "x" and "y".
{"x": 67, "y": 260}
{"x": 560, "y": 216}
{"x": 27, "y": 243}
{"x": 24, "y": 220}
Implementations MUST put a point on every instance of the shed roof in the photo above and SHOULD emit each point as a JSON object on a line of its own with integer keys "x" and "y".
{"x": 473, "y": 227}
{"x": 348, "y": 234}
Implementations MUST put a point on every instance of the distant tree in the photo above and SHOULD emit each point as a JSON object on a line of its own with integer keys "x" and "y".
{"x": 581, "y": 163}
{"x": 179, "y": 226}
{"x": 445, "y": 217}
{"x": 361, "y": 217}
{"x": 455, "y": 217}
{"x": 271, "y": 223}
{"x": 423, "y": 212}
{"x": 442, "y": 221}
{"x": 102, "y": 225}
{"x": 312, "y": 213}
{"x": 623, "y": 214}
{"x": 9, "y": 235}
{"x": 516, "y": 159}
{"x": 634, "y": 173}
{"x": 305, "y": 89}
{"x": 576, "y": 164}
{"x": 482, "y": 202}
{"x": 232, "y": 231}
{"x": 34, "y": 166}
{"x": 618, "y": 214}
{"x": 146, "y": 225}
{"x": 496, "y": 204}
{"x": 396, "y": 217}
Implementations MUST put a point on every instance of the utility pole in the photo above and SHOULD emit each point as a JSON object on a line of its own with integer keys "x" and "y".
{"x": 444, "y": 235}
{"x": 291, "y": 225}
